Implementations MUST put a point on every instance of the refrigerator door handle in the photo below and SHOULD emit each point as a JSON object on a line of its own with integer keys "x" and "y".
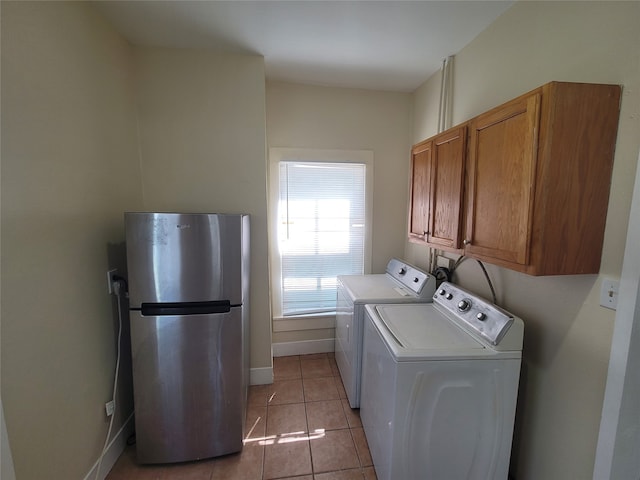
{"x": 185, "y": 308}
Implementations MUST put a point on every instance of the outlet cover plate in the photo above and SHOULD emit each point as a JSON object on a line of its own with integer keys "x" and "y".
{"x": 110, "y": 274}
{"x": 442, "y": 261}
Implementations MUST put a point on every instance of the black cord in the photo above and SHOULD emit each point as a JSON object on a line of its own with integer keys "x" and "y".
{"x": 461, "y": 259}
{"x": 486, "y": 275}
{"x": 442, "y": 274}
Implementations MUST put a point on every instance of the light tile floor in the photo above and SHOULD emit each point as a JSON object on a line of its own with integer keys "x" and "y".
{"x": 300, "y": 427}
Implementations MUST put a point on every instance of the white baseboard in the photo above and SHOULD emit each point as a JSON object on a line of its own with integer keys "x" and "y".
{"x": 261, "y": 376}
{"x": 306, "y": 347}
{"x": 114, "y": 450}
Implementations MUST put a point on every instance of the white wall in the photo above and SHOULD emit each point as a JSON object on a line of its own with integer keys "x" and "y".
{"x": 619, "y": 437}
{"x": 567, "y": 333}
{"x": 304, "y": 116}
{"x": 203, "y": 144}
{"x": 69, "y": 170}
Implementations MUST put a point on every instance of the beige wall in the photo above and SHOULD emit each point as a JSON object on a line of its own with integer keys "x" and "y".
{"x": 202, "y": 138}
{"x": 306, "y": 116}
{"x": 69, "y": 170}
{"x": 303, "y": 116}
{"x": 567, "y": 333}
{"x": 71, "y": 164}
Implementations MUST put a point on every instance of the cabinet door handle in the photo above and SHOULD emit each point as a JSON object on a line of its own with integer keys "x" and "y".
{"x": 425, "y": 233}
{"x": 466, "y": 242}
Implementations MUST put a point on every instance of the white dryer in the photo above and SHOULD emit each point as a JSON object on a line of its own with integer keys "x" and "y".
{"x": 439, "y": 387}
{"x": 401, "y": 283}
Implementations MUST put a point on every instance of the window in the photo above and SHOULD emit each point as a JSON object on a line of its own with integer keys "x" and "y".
{"x": 319, "y": 226}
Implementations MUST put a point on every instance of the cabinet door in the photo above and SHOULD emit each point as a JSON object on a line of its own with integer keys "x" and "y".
{"x": 447, "y": 179}
{"x": 419, "y": 203}
{"x": 502, "y": 165}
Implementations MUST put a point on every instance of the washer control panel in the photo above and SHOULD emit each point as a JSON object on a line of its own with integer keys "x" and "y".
{"x": 473, "y": 313}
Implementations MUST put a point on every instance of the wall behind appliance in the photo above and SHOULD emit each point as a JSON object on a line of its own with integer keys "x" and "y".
{"x": 567, "y": 333}
{"x": 305, "y": 116}
{"x": 69, "y": 170}
{"x": 202, "y": 141}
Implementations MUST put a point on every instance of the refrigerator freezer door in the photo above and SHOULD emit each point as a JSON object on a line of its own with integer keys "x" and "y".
{"x": 175, "y": 257}
{"x": 187, "y": 405}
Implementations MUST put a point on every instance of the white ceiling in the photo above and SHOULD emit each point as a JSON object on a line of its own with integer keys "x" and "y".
{"x": 380, "y": 45}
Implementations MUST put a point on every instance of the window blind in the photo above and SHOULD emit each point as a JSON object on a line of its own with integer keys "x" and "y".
{"x": 321, "y": 231}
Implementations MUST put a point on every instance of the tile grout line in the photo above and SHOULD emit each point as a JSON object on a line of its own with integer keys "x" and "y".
{"x": 306, "y": 418}
{"x": 337, "y": 379}
{"x": 264, "y": 447}
{"x": 305, "y": 415}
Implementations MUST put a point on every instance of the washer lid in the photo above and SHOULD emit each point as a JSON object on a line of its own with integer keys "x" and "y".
{"x": 418, "y": 331}
{"x": 369, "y": 286}
{"x": 380, "y": 288}
{"x": 422, "y": 327}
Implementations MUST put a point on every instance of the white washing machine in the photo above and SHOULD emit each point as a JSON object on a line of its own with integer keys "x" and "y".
{"x": 402, "y": 283}
{"x": 439, "y": 387}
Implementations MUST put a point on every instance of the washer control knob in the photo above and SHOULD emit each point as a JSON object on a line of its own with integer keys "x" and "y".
{"x": 481, "y": 316}
{"x": 448, "y": 296}
{"x": 463, "y": 305}
{"x": 442, "y": 291}
{"x": 416, "y": 280}
{"x": 402, "y": 271}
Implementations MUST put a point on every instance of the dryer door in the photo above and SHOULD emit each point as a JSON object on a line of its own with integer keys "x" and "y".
{"x": 347, "y": 346}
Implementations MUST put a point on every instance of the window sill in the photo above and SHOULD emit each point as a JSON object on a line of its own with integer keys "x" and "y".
{"x": 304, "y": 322}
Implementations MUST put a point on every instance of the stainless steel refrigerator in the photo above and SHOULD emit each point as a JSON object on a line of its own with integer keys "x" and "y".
{"x": 189, "y": 310}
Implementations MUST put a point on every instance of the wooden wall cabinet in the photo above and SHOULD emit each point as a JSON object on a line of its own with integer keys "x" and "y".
{"x": 501, "y": 183}
{"x": 437, "y": 180}
{"x": 419, "y": 191}
{"x": 537, "y": 180}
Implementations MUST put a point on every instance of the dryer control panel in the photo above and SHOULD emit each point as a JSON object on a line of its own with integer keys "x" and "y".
{"x": 473, "y": 313}
{"x": 417, "y": 281}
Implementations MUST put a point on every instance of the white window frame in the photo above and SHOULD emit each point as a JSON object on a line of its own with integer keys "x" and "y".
{"x": 277, "y": 155}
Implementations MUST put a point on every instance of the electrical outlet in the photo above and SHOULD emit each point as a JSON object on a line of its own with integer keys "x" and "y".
{"x": 110, "y": 274}
{"x": 609, "y": 293}
{"x": 110, "y": 407}
{"x": 442, "y": 261}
